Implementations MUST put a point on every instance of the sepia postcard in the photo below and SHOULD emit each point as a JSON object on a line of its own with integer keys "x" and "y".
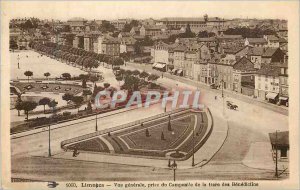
{"x": 149, "y": 95}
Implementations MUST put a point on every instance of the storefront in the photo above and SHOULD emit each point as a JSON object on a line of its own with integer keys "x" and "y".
{"x": 272, "y": 97}
{"x": 159, "y": 66}
{"x": 284, "y": 101}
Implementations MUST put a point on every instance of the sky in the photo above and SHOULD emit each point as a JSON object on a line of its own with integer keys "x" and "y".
{"x": 149, "y": 9}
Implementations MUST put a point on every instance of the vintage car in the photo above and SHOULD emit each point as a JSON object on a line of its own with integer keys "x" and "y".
{"x": 231, "y": 105}
{"x": 213, "y": 86}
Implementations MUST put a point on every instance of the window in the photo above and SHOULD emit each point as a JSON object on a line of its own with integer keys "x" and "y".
{"x": 266, "y": 87}
{"x": 259, "y": 86}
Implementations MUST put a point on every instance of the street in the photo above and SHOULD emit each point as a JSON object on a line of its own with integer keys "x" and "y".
{"x": 249, "y": 124}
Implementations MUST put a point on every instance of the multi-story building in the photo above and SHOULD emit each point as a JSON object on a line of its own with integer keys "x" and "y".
{"x": 224, "y": 75}
{"x": 127, "y": 45}
{"x": 243, "y": 76}
{"x": 90, "y": 39}
{"x": 108, "y": 45}
{"x": 196, "y": 24}
{"x": 77, "y": 24}
{"x": 261, "y": 55}
{"x": 152, "y": 30}
{"x": 256, "y": 42}
{"x": 78, "y": 41}
{"x": 272, "y": 40}
{"x": 283, "y": 83}
{"x": 120, "y": 23}
{"x": 267, "y": 83}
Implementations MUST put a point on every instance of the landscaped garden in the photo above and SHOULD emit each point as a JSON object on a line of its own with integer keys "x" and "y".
{"x": 170, "y": 136}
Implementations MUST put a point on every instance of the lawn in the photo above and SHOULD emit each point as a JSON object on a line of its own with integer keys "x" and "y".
{"x": 134, "y": 141}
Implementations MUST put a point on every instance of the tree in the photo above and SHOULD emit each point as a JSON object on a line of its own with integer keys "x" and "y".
{"x": 188, "y": 33}
{"x": 119, "y": 78}
{"x": 28, "y": 106}
{"x": 106, "y": 85}
{"x": 118, "y": 61}
{"x": 147, "y": 133}
{"x": 153, "y": 77}
{"x": 44, "y": 101}
{"x": 162, "y": 137}
{"x": 67, "y": 97}
{"x": 27, "y": 25}
{"x": 135, "y": 72}
{"x": 66, "y": 76}
{"x": 169, "y": 124}
{"x": 128, "y": 26}
{"x": 19, "y": 106}
{"x": 28, "y": 74}
{"x": 52, "y": 104}
{"x": 89, "y": 108}
{"x": 144, "y": 75}
{"x": 96, "y": 90}
{"x": 106, "y": 26}
{"x": 83, "y": 83}
{"x": 77, "y": 101}
{"x": 47, "y": 75}
{"x": 13, "y": 44}
{"x": 86, "y": 92}
{"x": 128, "y": 72}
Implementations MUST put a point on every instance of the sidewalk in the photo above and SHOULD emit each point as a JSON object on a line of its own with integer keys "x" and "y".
{"x": 202, "y": 156}
{"x": 259, "y": 156}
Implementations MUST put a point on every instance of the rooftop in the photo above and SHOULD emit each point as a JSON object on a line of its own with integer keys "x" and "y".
{"x": 257, "y": 40}
{"x": 244, "y": 64}
{"x": 269, "y": 70}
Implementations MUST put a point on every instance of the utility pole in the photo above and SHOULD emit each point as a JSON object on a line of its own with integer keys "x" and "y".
{"x": 276, "y": 156}
{"x": 193, "y": 158}
{"x": 222, "y": 81}
{"x": 96, "y": 120}
{"x": 49, "y": 151}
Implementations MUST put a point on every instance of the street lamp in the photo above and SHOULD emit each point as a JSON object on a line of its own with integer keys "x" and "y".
{"x": 18, "y": 61}
{"x": 96, "y": 120}
{"x": 193, "y": 158}
{"x": 222, "y": 82}
{"x": 276, "y": 156}
{"x": 49, "y": 150}
{"x": 174, "y": 167}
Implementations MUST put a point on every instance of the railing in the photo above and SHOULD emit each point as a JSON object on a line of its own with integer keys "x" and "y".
{"x": 97, "y": 133}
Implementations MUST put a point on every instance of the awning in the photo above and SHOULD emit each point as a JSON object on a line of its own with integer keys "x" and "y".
{"x": 271, "y": 95}
{"x": 179, "y": 71}
{"x": 283, "y": 98}
{"x": 160, "y": 66}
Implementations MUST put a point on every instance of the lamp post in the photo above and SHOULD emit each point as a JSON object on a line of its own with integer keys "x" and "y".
{"x": 174, "y": 167}
{"x": 96, "y": 120}
{"x": 276, "y": 156}
{"x": 18, "y": 61}
{"x": 193, "y": 158}
{"x": 49, "y": 150}
{"x": 222, "y": 81}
